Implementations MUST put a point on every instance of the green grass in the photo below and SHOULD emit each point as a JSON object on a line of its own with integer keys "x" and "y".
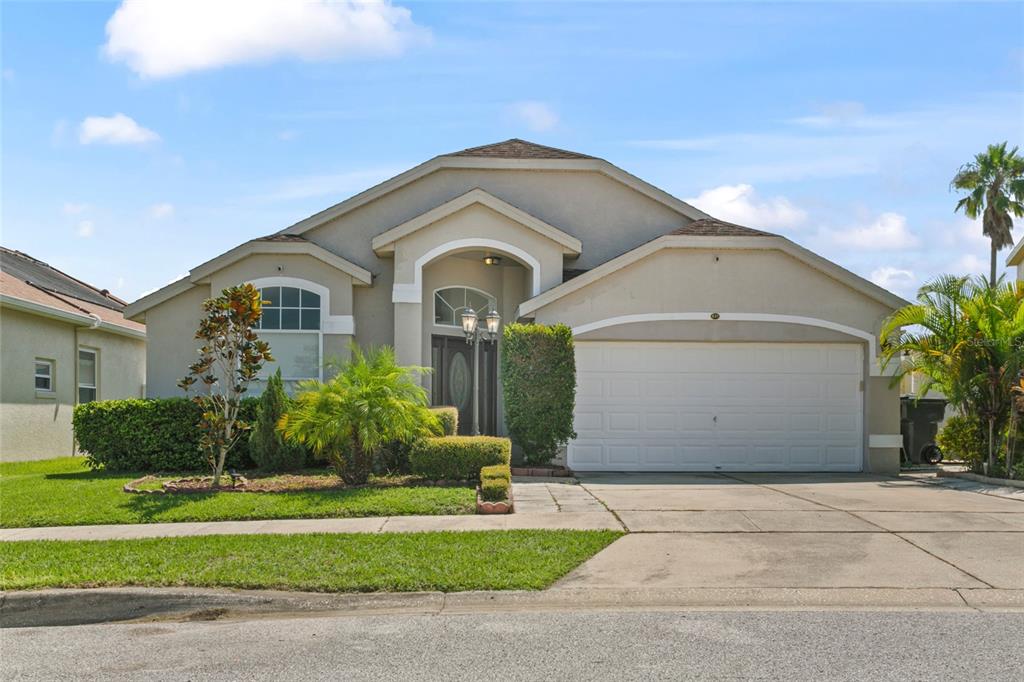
{"x": 393, "y": 562}
{"x": 65, "y": 492}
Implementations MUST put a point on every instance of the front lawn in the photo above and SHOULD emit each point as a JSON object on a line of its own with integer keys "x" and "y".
{"x": 65, "y": 492}
{"x": 392, "y": 562}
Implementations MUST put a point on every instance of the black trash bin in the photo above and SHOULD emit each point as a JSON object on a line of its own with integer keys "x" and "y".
{"x": 919, "y": 424}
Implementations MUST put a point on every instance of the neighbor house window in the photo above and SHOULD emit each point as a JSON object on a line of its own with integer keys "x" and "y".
{"x": 450, "y": 302}
{"x": 87, "y": 375}
{"x": 291, "y": 325}
{"x": 44, "y": 375}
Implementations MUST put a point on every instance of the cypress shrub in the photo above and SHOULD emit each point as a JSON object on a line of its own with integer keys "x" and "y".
{"x": 268, "y": 449}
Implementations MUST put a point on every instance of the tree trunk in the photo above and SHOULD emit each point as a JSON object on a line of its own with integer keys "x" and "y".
{"x": 992, "y": 270}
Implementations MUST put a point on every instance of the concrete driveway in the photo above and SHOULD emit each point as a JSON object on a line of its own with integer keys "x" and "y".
{"x": 802, "y": 531}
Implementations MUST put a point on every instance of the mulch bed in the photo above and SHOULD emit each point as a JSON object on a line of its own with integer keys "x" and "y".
{"x": 278, "y": 483}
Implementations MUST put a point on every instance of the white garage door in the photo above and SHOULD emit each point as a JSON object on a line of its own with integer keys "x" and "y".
{"x": 718, "y": 407}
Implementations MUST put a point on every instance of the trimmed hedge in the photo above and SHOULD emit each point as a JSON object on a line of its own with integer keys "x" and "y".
{"x": 458, "y": 457}
{"x": 501, "y": 471}
{"x": 495, "y": 482}
{"x": 494, "y": 489}
{"x": 538, "y": 375}
{"x": 150, "y": 435}
{"x": 448, "y": 417}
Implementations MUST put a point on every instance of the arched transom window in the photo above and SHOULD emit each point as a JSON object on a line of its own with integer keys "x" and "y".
{"x": 291, "y": 324}
{"x": 451, "y": 301}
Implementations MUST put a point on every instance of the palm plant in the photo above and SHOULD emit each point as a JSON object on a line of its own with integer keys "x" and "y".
{"x": 966, "y": 338}
{"x": 994, "y": 182}
{"x": 371, "y": 401}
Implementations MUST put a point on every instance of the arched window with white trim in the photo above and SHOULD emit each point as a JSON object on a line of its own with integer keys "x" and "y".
{"x": 450, "y": 302}
{"x": 292, "y": 323}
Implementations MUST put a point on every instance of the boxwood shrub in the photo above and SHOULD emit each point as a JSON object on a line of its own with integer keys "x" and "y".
{"x": 496, "y": 471}
{"x": 538, "y": 374}
{"x": 150, "y": 435}
{"x": 458, "y": 458}
{"x": 494, "y": 489}
{"x": 448, "y": 417}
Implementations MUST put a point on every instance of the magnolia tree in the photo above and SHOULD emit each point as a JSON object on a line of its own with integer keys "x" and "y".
{"x": 229, "y": 359}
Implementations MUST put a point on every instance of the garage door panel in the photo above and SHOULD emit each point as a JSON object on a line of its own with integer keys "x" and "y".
{"x": 653, "y": 406}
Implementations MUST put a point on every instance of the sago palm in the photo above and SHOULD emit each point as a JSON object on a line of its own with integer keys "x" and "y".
{"x": 994, "y": 182}
{"x": 372, "y": 401}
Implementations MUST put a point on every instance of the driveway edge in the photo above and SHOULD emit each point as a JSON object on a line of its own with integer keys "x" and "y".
{"x": 62, "y": 607}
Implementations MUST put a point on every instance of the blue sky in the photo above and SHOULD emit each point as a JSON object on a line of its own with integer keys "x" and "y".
{"x": 140, "y": 141}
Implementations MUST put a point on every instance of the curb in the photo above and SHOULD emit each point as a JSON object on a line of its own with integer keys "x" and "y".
{"x": 47, "y": 608}
{"x": 978, "y": 478}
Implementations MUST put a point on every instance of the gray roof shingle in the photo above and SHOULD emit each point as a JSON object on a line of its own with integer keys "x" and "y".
{"x": 519, "y": 149}
{"x": 712, "y": 227}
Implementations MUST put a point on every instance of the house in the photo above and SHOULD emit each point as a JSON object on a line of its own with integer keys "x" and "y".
{"x": 701, "y": 345}
{"x": 1016, "y": 258}
{"x": 62, "y": 342}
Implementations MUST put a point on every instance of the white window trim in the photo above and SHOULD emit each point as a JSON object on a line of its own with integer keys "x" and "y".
{"x": 45, "y": 392}
{"x": 433, "y": 303}
{"x": 78, "y": 373}
{"x": 329, "y": 324}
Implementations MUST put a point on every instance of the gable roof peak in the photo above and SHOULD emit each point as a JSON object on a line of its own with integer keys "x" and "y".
{"x": 713, "y": 227}
{"x": 516, "y": 148}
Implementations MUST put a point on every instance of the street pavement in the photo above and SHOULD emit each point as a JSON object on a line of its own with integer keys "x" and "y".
{"x": 562, "y": 645}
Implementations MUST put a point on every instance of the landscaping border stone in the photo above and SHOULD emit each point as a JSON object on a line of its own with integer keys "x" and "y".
{"x": 978, "y": 478}
{"x": 500, "y": 507}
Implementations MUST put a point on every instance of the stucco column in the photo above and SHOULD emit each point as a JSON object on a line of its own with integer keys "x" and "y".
{"x": 883, "y": 417}
{"x": 409, "y": 333}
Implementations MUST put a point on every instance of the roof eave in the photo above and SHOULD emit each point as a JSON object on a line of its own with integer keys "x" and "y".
{"x": 1016, "y": 256}
{"x": 79, "y": 319}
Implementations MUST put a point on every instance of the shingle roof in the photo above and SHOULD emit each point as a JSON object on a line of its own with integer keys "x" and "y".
{"x": 28, "y": 279}
{"x": 280, "y": 237}
{"x": 44, "y": 276}
{"x": 712, "y": 227}
{"x": 519, "y": 149}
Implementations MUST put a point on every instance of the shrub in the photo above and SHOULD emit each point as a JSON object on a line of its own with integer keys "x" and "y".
{"x": 494, "y": 489}
{"x": 501, "y": 471}
{"x": 964, "y": 438}
{"x": 448, "y": 420}
{"x": 149, "y": 435}
{"x": 538, "y": 373}
{"x": 268, "y": 449}
{"x": 458, "y": 457}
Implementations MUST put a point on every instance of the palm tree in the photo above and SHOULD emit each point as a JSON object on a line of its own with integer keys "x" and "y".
{"x": 965, "y": 337}
{"x": 994, "y": 183}
{"x": 371, "y": 402}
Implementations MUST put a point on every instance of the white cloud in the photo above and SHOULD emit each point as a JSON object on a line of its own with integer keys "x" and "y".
{"x": 161, "y": 210}
{"x": 889, "y": 231}
{"x": 116, "y": 129}
{"x": 162, "y": 39}
{"x": 72, "y": 208}
{"x": 538, "y": 116}
{"x": 85, "y": 229}
{"x": 740, "y": 204}
{"x": 894, "y": 279}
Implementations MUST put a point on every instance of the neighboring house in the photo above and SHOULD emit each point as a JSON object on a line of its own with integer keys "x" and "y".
{"x": 701, "y": 345}
{"x": 62, "y": 342}
{"x": 1016, "y": 258}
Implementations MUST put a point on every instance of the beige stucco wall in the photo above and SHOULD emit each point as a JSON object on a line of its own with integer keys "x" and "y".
{"x": 171, "y": 345}
{"x": 37, "y": 425}
{"x": 298, "y": 266}
{"x": 737, "y": 281}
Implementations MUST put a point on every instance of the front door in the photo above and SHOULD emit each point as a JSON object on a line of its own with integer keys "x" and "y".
{"x": 451, "y": 358}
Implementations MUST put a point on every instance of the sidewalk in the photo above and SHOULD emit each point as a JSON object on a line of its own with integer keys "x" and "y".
{"x": 538, "y": 506}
